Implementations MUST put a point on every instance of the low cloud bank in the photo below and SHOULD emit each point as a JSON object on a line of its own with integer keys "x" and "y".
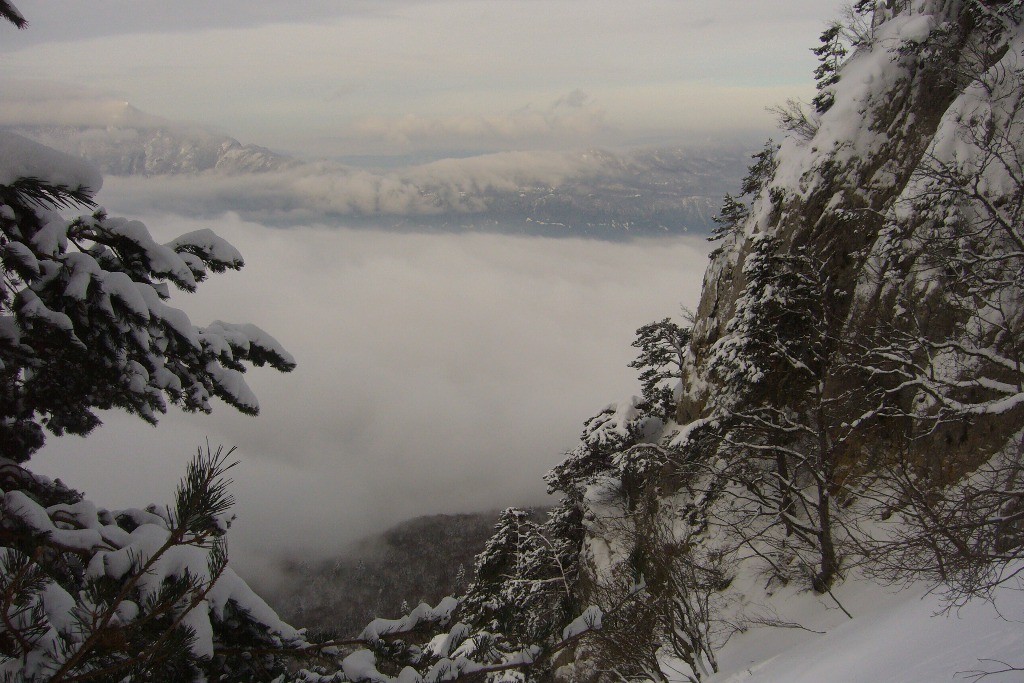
{"x": 437, "y": 373}
{"x": 314, "y": 189}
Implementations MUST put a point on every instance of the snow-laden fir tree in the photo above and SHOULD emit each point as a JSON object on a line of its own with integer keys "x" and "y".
{"x": 9, "y": 12}
{"x": 90, "y": 594}
{"x": 729, "y": 218}
{"x": 85, "y": 318}
{"x": 776, "y": 365}
{"x": 525, "y": 582}
{"x": 735, "y": 209}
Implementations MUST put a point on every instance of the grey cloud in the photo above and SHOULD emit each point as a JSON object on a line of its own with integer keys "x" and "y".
{"x": 44, "y": 103}
{"x": 310, "y": 190}
{"x": 70, "y": 20}
{"x": 457, "y": 68}
{"x": 577, "y": 99}
{"x": 568, "y": 121}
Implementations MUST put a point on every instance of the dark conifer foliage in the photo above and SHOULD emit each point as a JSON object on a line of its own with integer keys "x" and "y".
{"x": 830, "y": 54}
{"x": 774, "y": 367}
{"x": 84, "y": 323}
{"x": 9, "y": 12}
{"x": 856, "y": 358}
{"x": 525, "y": 580}
{"x": 761, "y": 171}
{"x": 662, "y": 356}
{"x": 91, "y": 594}
{"x": 84, "y": 318}
{"x": 866, "y": 366}
{"x": 728, "y": 221}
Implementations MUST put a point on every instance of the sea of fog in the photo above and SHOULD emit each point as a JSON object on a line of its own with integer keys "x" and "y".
{"x": 437, "y": 373}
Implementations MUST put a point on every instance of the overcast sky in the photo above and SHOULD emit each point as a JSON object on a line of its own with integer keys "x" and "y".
{"x": 429, "y": 76}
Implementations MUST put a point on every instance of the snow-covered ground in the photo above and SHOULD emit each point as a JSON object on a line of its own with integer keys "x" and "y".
{"x": 895, "y": 636}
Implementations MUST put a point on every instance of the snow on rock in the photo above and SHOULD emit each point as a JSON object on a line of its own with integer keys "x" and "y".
{"x": 22, "y": 158}
{"x": 616, "y": 423}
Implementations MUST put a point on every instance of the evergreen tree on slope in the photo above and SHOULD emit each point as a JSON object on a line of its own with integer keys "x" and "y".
{"x": 830, "y": 54}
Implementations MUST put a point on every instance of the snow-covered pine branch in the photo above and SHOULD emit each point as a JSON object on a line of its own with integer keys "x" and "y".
{"x": 85, "y": 322}
{"x": 93, "y": 594}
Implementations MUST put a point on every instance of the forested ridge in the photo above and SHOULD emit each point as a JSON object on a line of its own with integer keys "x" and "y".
{"x": 844, "y": 402}
{"x": 384, "y": 573}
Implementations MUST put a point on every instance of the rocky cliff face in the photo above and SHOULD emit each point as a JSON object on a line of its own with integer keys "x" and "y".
{"x": 850, "y": 392}
{"x": 925, "y": 77}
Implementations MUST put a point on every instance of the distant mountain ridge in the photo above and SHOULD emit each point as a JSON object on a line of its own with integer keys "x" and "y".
{"x": 595, "y": 193}
{"x": 130, "y": 150}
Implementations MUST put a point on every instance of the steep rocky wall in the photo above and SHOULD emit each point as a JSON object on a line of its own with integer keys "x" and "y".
{"x": 835, "y": 191}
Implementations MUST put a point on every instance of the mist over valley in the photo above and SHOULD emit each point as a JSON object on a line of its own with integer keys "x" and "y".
{"x": 437, "y": 373}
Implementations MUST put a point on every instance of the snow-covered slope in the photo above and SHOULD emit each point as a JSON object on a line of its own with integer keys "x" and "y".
{"x": 896, "y": 635}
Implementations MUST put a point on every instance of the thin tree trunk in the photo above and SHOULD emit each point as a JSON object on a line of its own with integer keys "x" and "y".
{"x": 829, "y": 563}
{"x": 785, "y": 497}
